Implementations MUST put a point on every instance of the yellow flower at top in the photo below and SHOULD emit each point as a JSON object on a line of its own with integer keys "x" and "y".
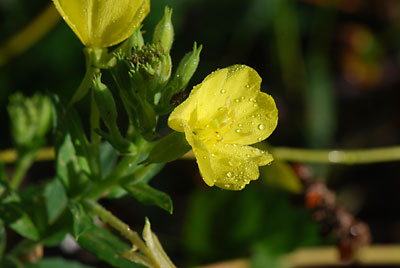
{"x": 222, "y": 116}
{"x": 103, "y": 23}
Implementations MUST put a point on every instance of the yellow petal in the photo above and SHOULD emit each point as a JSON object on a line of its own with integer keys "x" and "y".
{"x": 228, "y": 166}
{"x": 251, "y": 115}
{"x": 235, "y": 166}
{"x": 100, "y": 23}
{"x": 203, "y": 156}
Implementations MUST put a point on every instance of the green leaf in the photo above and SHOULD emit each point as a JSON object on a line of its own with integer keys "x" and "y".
{"x": 56, "y": 233}
{"x": 106, "y": 246}
{"x": 142, "y": 174}
{"x": 150, "y": 196}
{"x": 81, "y": 220}
{"x": 56, "y": 263}
{"x": 169, "y": 148}
{"x": 74, "y": 161}
{"x": 11, "y": 262}
{"x": 3, "y": 238}
{"x": 17, "y": 219}
{"x": 281, "y": 175}
{"x": 108, "y": 158}
{"x": 55, "y": 199}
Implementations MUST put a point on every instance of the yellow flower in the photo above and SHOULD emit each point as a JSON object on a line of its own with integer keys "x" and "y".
{"x": 221, "y": 117}
{"x": 103, "y": 23}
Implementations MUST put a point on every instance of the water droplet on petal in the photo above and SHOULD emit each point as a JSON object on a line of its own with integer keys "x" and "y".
{"x": 223, "y": 91}
{"x": 259, "y": 139}
{"x": 242, "y": 97}
{"x": 229, "y": 174}
{"x": 227, "y": 186}
{"x": 237, "y": 130}
{"x": 261, "y": 126}
{"x": 237, "y": 100}
{"x": 247, "y": 86}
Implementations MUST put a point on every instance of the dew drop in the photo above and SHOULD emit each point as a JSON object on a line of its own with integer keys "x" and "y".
{"x": 248, "y": 156}
{"x": 212, "y": 155}
{"x": 240, "y": 125}
{"x": 242, "y": 97}
{"x": 261, "y": 126}
{"x": 227, "y": 186}
{"x": 229, "y": 174}
{"x": 237, "y": 130}
{"x": 247, "y": 86}
{"x": 223, "y": 91}
{"x": 259, "y": 139}
{"x": 237, "y": 100}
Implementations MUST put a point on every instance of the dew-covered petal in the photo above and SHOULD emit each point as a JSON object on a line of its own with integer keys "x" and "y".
{"x": 100, "y": 23}
{"x": 256, "y": 118}
{"x": 202, "y": 101}
{"x": 251, "y": 114}
{"x": 234, "y": 166}
{"x": 202, "y": 154}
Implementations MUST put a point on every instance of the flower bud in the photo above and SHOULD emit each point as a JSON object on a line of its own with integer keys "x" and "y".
{"x": 30, "y": 119}
{"x": 181, "y": 78}
{"x": 164, "y": 31}
{"x": 105, "y": 102}
{"x": 100, "y": 23}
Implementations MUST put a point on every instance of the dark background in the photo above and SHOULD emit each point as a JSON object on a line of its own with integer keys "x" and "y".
{"x": 333, "y": 68}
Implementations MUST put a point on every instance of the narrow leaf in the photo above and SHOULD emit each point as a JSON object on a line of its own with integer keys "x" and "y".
{"x": 150, "y": 196}
{"x": 169, "y": 148}
{"x": 106, "y": 246}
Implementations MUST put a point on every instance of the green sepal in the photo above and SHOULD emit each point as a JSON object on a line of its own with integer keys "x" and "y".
{"x": 148, "y": 195}
{"x": 169, "y": 148}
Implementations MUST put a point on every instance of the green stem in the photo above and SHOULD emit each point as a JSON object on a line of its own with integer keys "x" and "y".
{"x": 120, "y": 226}
{"x": 94, "y": 137}
{"x": 94, "y": 59}
{"x": 23, "y": 164}
{"x": 125, "y": 166}
{"x": 347, "y": 157}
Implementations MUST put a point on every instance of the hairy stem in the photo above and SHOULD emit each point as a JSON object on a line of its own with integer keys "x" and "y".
{"x": 120, "y": 226}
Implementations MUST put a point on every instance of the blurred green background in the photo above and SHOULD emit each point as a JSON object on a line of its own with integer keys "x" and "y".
{"x": 333, "y": 68}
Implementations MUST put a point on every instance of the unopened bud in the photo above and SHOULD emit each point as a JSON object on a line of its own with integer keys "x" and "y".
{"x": 30, "y": 119}
{"x": 105, "y": 101}
{"x": 164, "y": 31}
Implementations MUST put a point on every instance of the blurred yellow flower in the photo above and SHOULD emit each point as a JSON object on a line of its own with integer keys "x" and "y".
{"x": 103, "y": 23}
{"x": 221, "y": 117}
